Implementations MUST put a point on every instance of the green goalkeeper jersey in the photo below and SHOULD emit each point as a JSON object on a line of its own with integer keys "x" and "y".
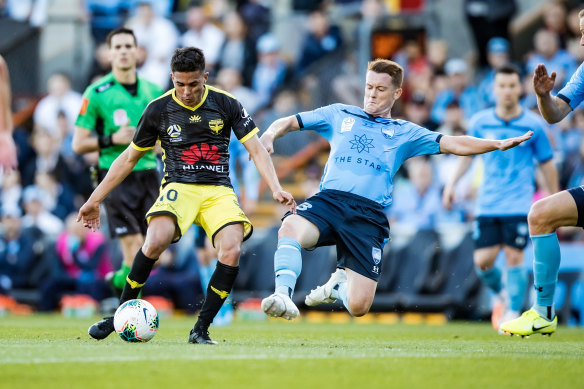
{"x": 107, "y": 105}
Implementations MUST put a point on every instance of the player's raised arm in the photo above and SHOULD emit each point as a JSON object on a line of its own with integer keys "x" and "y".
{"x": 119, "y": 170}
{"x": 278, "y": 129}
{"x": 469, "y": 145}
{"x": 265, "y": 166}
{"x": 552, "y": 108}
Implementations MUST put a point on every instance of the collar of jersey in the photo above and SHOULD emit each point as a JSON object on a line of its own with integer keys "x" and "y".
{"x": 186, "y": 106}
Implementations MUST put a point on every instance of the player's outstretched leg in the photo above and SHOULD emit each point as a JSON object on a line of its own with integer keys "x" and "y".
{"x": 134, "y": 283}
{"x": 327, "y": 293}
{"x": 530, "y": 323}
{"x": 287, "y": 268}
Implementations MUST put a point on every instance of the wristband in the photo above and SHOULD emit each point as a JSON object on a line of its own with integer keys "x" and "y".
{"x": 105, "y": 141}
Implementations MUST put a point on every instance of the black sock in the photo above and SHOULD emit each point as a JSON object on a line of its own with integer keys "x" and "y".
{"x": 217, "y": 291}
{"x": 138, "y": 275}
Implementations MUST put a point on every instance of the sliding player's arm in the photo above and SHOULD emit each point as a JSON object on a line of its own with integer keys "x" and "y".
{"x": 278, "y": 129}
{"x": 8, "y": 155}
{"x": 552, "y": 108}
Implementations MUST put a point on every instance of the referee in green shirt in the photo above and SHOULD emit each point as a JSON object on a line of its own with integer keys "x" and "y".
{"x": 110, "y": 111}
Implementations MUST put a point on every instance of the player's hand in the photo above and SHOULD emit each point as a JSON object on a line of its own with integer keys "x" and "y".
{"x": 285, "y": 198}
{"x": 509, "y": 143}
{"x": 8, "y": 159}
{"x": 124, "y": 135}
{"x": 448, "y": 196}
{"x": 89, "y": 215}
{"x": 542, "y": 82}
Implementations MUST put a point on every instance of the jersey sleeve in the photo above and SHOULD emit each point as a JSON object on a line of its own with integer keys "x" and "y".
{"x": 88, "y": 113}
{"x": 541, "y": 144}
{"x": 319, "y": 120}
{"x": 573, "y": 92}
{"x": 423, "y": 142}
{"x": 242, "y": 124}
{"x": 147, "y": 129}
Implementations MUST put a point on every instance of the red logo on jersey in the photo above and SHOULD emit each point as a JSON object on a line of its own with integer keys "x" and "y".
{"x": 204, "y": 152}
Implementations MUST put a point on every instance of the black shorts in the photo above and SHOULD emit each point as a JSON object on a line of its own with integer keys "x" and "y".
{"x": 356, "y": 225}
{"x": 578, "y": 195}
{"x": 127, "y": 204}
{"x": 495, "y": 230}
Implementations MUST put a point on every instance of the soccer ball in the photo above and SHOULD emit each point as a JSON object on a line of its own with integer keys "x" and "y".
{"x": 136, "y": 321}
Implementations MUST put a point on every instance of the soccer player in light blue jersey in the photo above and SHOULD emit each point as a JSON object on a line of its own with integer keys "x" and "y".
{"x": 565, "y": 208}
{"x": 506, "y": 192}
{"x": 367, "y": 149}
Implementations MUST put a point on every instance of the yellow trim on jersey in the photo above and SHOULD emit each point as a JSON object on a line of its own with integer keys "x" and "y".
{"x": 159, "y": 97}
{"x": 186, "y": 106}
{"x": 141, "y": 148}
{"x": 220, "y": 91}
{"x": 249, "y": 135}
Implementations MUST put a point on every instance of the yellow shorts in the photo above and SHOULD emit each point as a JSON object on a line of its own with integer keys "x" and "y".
{"x": 209, "y": 206}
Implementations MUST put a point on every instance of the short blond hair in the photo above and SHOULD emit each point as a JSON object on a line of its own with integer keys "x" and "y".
{"x": 391, "y": 68}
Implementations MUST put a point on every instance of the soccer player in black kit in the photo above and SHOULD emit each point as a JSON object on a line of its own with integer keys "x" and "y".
{"x": 193, "y": 123}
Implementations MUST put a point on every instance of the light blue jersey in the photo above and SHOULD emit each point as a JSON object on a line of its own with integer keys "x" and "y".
{"x": 366, "y": 151}
{"x": 509, "y": 176}
{"x": 573, "y": 92}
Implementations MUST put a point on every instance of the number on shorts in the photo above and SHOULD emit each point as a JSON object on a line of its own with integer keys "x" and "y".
{"x": 171, "y": 195}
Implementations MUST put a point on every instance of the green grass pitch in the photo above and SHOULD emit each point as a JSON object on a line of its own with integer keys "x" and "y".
{"x": 50, "y": 351}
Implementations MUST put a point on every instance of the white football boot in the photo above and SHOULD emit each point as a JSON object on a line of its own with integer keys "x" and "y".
{"x": 323, "y": 294}
{"x": 280, "y": 305}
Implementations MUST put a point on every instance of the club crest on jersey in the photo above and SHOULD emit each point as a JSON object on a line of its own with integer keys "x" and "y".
{"x": 376, "y": 253}
{"x": 387, "y": 132}
{"x": 195, "y": 119}
{"x": 120, "y": 117}
{"x": 347, "y": 124}
{"x": 216, "y": 125}
{"x": 174, "y": 131}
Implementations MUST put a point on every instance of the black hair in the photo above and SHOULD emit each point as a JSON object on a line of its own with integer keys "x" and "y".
{"x": 187, "y": 59}
{"x": 508, "y": 68}
{"x": 118, "y": 31}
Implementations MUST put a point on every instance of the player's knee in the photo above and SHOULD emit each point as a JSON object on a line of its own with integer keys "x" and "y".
{"x": 539, "y": 218}
{"x": 154, "y": 245}
{"x": 287, "y": 230}
{"x": 359, "y": 309}
{"x": 229, "y": 255}
{"x": 482, "y": 263}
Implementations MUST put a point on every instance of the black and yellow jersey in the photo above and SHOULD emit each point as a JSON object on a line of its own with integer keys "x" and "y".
{"x": 194, "y": 140}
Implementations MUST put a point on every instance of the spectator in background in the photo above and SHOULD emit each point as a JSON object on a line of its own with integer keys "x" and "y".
{"x": 271, "y": 71}
{"x": 24, "y": 254}
{"x": 488, "y": 19}
{"x": 322, "y": 39}
{"x": 417, "y": 202}
{"x": 60, "y": 102}
{"x": 8, "y": 158}
{"x": 158, "y": 36}
{"x": 101, "y": 63}
{"x": 34, "y": 12}
{"x": 238, "y": 49}
{"x": 10, "y": 193}
{"x": 458, "y": 89}
{"x": 203, "y": 34}
{"x": 497, "y": 56}
{"x": 256, "y": 17}
{"x": 554, "y": 20}
{"x": 36, "y": 214}
{"x": 60, "y": 200}
{"x": 104, "y": 16}
{"x": 453, "y": 119}
{"x": 418, "y": 111}
{"x": 548, "y": 52}
{"x": 83, "y": 261}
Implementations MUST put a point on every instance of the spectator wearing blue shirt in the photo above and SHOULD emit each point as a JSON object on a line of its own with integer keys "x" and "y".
{"x": 497, "y": 55}
{"x": 458, "y": 89}
{"x": 506, "y": 192}
{"x": 368, "y": 147}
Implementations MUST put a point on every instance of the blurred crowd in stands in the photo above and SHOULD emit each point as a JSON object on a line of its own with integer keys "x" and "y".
{"x": 43, "y": 248}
